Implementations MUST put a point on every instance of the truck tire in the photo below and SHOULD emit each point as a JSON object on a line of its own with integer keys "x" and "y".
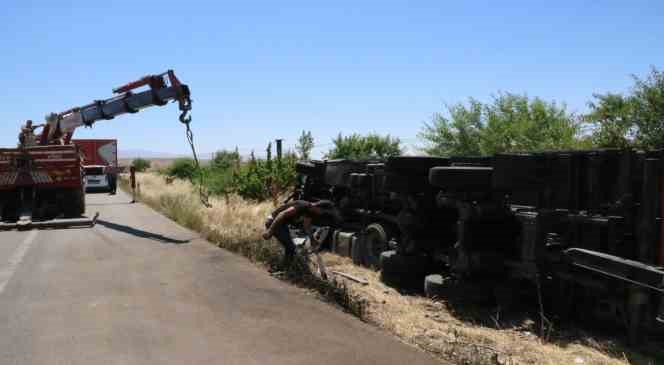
{"x": 434, "y": 286}
{"x": 309, "y": 169}
{"x": 357, "y": 250}
{"x": 341, "y": 243}
{"x": 415, "y": 165}
{"x": 337, "y": 172}
{"x": 404, "y": 272}
{"x": 359, "y": 180}
{"x": 75, "y": 204}
{"x": 406, "y": 183}
{"x": 466, "y": 178}
{"x": 438, "y": 286}
{"x": 459, "y": 291}
{"x": 376, "y": 242}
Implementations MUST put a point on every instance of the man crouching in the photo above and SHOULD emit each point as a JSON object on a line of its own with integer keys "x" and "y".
{"x": 290, "y": 213}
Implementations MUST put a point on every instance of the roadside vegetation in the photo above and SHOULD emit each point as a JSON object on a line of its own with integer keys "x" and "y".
{"x": 141, "y": 164}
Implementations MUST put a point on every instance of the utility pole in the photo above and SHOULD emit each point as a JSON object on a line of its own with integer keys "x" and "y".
{"x": 279, "y": 141}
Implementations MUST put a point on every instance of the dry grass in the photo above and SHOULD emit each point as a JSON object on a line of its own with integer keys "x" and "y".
{"x": 236, "y": 225}
{"x": 230, "y": 221}
{"x": 156, "y": 164}
{"x": 431, "y": 325}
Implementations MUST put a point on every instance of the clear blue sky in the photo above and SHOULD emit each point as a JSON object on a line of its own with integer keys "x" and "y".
{"x": 263, "y": 70}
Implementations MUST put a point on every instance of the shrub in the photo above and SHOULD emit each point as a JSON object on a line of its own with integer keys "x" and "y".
{"x": 263, "y": 179}
{"x": 141, "y": 164}
{"x": 225, "y": 160}
{"x": 304, "y": 145}
{"x": 182, "y": 168}
{"x": 256, "y": 179}
{"x": 631, "y": 120}
{"x": 358, "y": 147}
{"x": 509, "y": 123}
{"x": 219, "y": 181}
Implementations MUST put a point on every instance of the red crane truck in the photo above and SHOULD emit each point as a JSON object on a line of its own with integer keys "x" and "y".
{"x": 42, "y": 180}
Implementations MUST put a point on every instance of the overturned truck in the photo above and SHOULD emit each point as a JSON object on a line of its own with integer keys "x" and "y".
{"x": 584, "y": 227}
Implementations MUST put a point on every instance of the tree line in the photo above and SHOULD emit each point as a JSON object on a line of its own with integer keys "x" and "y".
{"x": 509, "y": 122}
{"x": 512, "y": 122}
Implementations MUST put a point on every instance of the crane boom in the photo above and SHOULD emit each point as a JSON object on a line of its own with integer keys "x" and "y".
{"x": 163, "y": 88}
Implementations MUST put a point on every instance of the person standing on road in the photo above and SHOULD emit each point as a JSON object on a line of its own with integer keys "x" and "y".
{"x": 112, "y": 182}
{"x": 132, "y": 180}
{"x": 278, "y": 222}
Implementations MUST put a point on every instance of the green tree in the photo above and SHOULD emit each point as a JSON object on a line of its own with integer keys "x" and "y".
{"x": 225, "y": 160}
{"x": 261, "y": 179}
{"x": 635, "y": 119}
{"x": 141, "y": 164}
{"x": 182, "y": 168}
{"x": 304, "y": 145}
{"x": 611, "y": 116}
{"x": 510, "y": 123}
{"x": 358, "y": 147}
{"x": 459, "y": 134}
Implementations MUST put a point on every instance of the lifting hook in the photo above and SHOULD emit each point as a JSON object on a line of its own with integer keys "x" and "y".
{"x": 185, "y": 117}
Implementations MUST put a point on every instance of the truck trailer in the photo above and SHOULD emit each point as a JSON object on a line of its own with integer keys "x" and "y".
{"x": 100, "y": 162}
{"x": 585, "y": 229}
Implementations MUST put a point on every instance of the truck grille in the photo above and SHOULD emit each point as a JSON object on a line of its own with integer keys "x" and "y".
{"x": 8, "y": 178}
{"x": 40, "y": 177}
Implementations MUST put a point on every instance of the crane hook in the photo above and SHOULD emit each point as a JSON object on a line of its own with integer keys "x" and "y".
{"x": 185, "y": 117}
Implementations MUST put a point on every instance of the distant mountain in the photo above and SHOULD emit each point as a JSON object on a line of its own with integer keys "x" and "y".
{"x": 135, "y": 153}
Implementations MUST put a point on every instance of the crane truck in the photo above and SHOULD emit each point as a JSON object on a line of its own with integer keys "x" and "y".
{"x": 42, "y": 179}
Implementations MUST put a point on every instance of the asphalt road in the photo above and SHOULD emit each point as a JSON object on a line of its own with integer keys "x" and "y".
{"x": 138, "y": 289}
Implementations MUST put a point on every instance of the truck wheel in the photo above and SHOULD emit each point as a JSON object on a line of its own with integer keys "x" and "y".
{"x": 375, "y": 244}
{"x": 358, "y": 180}
{"x": 308, "y": 168}
{"x": 357, "y": 250}
{"x": 434, "y": 286}
{"x": 404, "y": 271}
{"x": 75, "y": 205}
{"x": 415, "y": 165}
{"x": 461, "y": 291}
{"x": 398, "y": 183}
{"x": 466, "y": 178}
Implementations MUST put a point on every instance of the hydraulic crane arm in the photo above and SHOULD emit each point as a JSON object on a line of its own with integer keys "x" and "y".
{"x": 162, "y": 89}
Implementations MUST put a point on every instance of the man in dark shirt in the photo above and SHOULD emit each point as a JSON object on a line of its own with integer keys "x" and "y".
{"x": 277, "y": 223}
{"x": 132, "y": 180}
{"x": 112, "y": 180}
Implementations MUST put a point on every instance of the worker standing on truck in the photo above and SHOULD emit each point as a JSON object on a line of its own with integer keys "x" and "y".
{"x": 278, "y": 222}
{"x": 27, "y": 137}
{"x": 132, "y": 180}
